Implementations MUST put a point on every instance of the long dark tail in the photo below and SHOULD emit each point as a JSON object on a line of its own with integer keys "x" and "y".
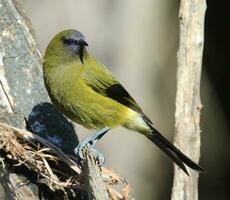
{"x": 174, "y": 153}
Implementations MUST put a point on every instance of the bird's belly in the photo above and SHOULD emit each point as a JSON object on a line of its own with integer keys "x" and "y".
{"x": 88, "y": 108}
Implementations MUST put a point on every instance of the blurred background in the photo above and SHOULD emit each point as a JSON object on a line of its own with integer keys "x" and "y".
{"x": 138, "y": 42}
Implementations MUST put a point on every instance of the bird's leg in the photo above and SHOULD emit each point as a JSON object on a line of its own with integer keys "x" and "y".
{"x": 89, "y": 143}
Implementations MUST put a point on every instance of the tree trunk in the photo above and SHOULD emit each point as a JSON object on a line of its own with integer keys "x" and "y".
{"x": 20, "y": 85}
{"x": 188, "y": 105}
{"x": 21, "y": 93}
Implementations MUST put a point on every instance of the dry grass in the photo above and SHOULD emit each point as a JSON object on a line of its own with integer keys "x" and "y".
{"x": 54, "y": 168}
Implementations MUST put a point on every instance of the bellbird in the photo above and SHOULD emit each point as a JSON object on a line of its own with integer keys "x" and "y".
{"x": 85, "y": 91}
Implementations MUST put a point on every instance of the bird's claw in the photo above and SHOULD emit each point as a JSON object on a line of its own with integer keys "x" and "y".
{"x": 98, "y": 156}
{"x": 79, "y": 149}
{"x": 89, "y": 145}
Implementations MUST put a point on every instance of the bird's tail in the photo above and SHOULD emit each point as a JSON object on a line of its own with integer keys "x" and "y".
{"x": 174, "y": 153}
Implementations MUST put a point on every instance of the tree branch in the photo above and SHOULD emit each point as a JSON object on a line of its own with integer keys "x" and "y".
{"x": 188, "y": 105}
{"x": 95, "y": 184}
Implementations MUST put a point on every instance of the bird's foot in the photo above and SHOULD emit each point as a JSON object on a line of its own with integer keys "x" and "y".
{"x": 89, "y": 143}
{"x": 98, "y": 156}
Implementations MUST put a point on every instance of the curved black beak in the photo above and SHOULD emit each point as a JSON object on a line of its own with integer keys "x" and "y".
{"x": 82, "y": 42}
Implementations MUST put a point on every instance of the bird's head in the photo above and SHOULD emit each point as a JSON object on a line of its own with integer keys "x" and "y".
{"x": 68, "y": 44}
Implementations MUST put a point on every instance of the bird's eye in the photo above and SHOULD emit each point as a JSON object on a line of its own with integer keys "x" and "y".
{"x": 69, "y": 41}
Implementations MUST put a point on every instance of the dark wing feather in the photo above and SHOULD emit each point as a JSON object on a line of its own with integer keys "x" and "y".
{"x": 98, "y": 78}
{"x": 118, "y": 93}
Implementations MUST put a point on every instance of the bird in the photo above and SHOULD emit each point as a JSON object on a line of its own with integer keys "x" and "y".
{"x": 86, "y": 92}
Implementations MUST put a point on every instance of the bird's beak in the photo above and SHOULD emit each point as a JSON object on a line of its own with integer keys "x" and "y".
{"x": 82, "y": 42}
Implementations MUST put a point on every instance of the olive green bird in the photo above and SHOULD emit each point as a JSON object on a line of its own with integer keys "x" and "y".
{"x": 86, "y": 92}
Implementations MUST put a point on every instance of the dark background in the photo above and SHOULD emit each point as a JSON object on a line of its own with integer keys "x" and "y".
{"x": 215, "y": 143}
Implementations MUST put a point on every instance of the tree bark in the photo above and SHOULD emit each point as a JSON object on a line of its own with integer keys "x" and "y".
{"x": 21, "y": 93}
{"x": 188, "y": 105}
{"x": 20, "y": 85}
{"x": 95, "y": 185}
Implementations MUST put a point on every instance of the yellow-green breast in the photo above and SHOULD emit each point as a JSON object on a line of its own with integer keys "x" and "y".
{"x": 70, "y": 93}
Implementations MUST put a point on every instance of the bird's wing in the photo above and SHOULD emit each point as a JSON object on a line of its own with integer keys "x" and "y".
{"x": 103, "y": 82}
